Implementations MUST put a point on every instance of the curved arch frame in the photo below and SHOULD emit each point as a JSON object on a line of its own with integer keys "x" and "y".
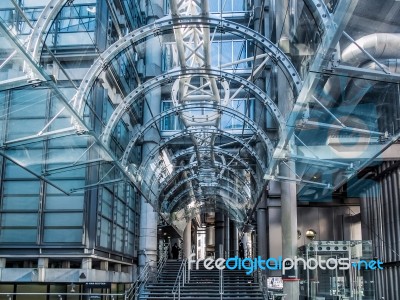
{"x": 168, "y": 23}
{"x": 185, "y": 192}
{"x": 191, "y": 150}
{"x": 172, "y": 191}
{"x": 42, "y": 25}
{"x": 168, "y": 77}
{"x": 210, "y": 130}
{"x": 168, "y": 180}
{"x": 174, "y": 110}
{"x": 178, "y": 197}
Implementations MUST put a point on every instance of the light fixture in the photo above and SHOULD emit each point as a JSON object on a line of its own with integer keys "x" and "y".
{"x": 311, "y": 234}
{"x": 298, "y": 234}
{"x": 72, "y": 288}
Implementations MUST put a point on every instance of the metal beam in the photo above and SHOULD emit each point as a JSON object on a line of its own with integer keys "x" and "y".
{"x": 321, "y": 60}
{"x": 165, "y": 25}
{"x": 165, "y": 78}
{"x": 141, "y": 130}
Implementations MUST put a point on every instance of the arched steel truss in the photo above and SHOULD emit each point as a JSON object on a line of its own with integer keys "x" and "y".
{"x": 46, "y": 18}
{"x": 217, "y": 150}
{"x": 166, "y": 24}
{"x": 42, "y": 26}
{"x": 170, "y": 178}
{"x": 239, "y": 213}
{"x": 172, "y": 75}
{"x": 253, "y": 126}
{"x": 192, "y": 150}
{"x": 228, "y": 189}
{"x": 176, "y": 187}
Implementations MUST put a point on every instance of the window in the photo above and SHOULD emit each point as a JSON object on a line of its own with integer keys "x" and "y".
{"x": 230, "y": 122}
{"x": 172, "y": 121}
{"x": 227, "y": 5}
{"x": 225, "y": 53}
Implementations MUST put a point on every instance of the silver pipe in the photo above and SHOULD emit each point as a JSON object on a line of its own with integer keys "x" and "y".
{"x": 378, "y": 45}
{"x": 396, "y": 185}
{"x": 393, "y": 215}
{"x": 386, "y": 214}
{"x": 359, "y": 87}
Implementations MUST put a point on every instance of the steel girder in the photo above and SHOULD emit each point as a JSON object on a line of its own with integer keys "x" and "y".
{"x": 321, "y": 60}
{"x": 239, "y": 213}
{"x": 176, "y": 187}
{"x": 53, "y": 8}
{"x": 170, "y": 76}
{"x": 42, "y": 25}
{"x": 183, "y": 133}
{"x": 219, "y": 151}
{"x": 166, "y": 24}
{"x": 190, "y": 131}
{"x": 228, "y": 189}
{"x": 170, "y": 178}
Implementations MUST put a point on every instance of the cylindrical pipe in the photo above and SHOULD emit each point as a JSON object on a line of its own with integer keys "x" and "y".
{"x": 187, "y": 239}
{"x": 261, "y": 232}
{"x": 227, "y": 236}
{"x": 378, "y": 45}
{"x": 219, "y": 231}
{"x": 235, "y": 239}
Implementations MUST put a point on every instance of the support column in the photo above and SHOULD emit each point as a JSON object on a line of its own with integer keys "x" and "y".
{"x": 148, "y": 217}
{"x": 235, "y": 239}
{"x": 187, "y": 239}
{"x": 219, "y": 232}
{"x": 227, "y": 236}
{"x": 289, "y": 225}
{"x": 262, "y": 232}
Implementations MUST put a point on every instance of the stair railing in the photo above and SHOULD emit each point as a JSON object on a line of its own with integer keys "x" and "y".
{"x": 134, "y": 291}
{"x": 261, "y": 279}
{"x": 162, "y": 261}
{"x": 221, "y": 283}
{"x": 181, "y": 279}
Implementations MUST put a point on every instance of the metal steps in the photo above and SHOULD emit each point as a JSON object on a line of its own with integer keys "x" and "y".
{"x": 203, "y": 285}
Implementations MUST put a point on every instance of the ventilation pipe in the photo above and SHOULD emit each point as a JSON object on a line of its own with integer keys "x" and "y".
{"x": 380, "y": 46}
{"x": 359, "y": 87}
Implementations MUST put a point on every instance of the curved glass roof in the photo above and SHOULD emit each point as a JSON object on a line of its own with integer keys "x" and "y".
{"x": 196, "y": 109}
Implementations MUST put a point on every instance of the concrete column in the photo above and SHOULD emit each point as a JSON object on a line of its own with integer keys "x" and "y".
{"x": 262, "y": 232}
{"x": 289, "y": 225}
{"x": 235, "y": 239}
{"x": 227, "y": 236}
{"x": 219, "y": 232}
{"x": 104, "y": 265}
{"x": 187, "y": 239}
{"x": 364, "y": 216}
{"x": 43, "y": 264}
{"x": 148, "y": 217}
{"x": 2, "y": 262}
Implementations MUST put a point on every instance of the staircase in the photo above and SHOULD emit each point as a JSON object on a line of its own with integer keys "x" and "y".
{"x": 203, "y": 285}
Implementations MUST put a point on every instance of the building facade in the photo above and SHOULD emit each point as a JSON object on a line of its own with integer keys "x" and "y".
{"x": 128, "y": 126}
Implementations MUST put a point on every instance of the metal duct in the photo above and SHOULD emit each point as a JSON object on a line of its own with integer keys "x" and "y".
{"x": 359, "y": 87}
{"x": 379, "y": 45}
{"x": 210, "y": 236}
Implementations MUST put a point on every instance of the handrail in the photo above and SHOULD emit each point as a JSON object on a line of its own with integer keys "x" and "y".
{"x": 180, "y": 277}
{"x": 221, "y": 283}
{"x": 134, "y": 290}
{"x": 162, "y": 261}
{"x": 261, "y": 283}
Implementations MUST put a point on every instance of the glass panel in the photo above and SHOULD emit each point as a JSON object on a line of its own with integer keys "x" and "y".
{"x": 63, "y": 235}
